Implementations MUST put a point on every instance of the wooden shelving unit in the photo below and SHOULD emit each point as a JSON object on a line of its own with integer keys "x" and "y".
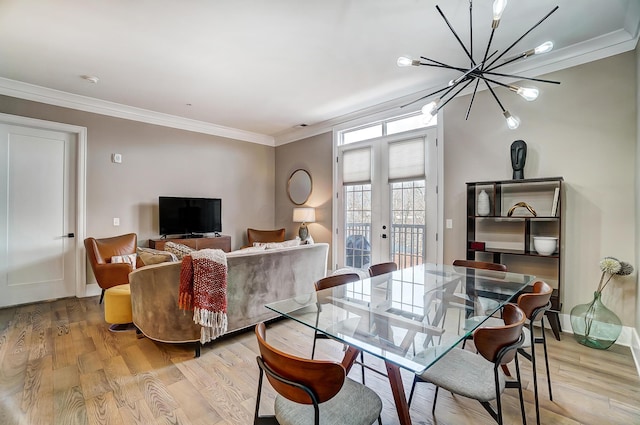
{"x": 498, "y": 238}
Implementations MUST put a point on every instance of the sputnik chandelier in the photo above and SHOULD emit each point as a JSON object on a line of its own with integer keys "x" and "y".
{"x": 484, "y": 70}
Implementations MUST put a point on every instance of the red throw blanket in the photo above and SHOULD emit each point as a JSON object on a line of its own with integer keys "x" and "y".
{"x": 203, "y": 289}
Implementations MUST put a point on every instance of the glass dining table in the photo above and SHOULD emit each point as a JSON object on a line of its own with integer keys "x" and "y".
{"x": 409, "y": 318}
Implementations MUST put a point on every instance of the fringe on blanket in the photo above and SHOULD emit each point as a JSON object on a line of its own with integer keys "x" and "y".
{"x": 214, "y": 324}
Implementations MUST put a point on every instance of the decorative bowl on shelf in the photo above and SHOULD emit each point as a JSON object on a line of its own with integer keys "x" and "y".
{"x": 545, "y": 245}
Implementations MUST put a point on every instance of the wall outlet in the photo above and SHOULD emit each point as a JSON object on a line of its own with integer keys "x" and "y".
{"x": 449, "y": 223}
{"x": 116, "y": 221}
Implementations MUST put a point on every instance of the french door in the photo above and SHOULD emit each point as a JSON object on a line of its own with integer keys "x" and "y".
{"x": 386, "y": 201}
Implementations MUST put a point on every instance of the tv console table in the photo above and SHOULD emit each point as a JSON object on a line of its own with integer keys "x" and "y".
{"x": 218, "y": 242}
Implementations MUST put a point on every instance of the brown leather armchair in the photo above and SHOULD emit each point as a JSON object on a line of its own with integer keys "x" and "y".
{"x": 254, "y": 235}
{"x": 99, "y": 253}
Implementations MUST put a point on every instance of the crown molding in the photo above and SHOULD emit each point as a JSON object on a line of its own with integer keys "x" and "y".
{"x": 49, "y": 96}
{"x": 607, "y": 45}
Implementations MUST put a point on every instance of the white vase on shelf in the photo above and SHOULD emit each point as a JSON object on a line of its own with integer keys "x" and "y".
{"x": 483, "y": 203}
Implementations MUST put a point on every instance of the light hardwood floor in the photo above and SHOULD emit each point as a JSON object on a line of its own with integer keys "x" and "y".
{"x": 59, "y": 364}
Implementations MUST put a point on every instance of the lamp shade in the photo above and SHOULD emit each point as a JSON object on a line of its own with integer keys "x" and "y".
{"x": 304, "y": 215}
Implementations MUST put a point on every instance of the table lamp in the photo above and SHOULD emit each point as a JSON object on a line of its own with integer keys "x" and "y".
{"x": 304, "y": 216}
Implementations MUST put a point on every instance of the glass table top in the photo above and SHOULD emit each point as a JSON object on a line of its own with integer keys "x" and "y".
{"x": 410, "y": 317}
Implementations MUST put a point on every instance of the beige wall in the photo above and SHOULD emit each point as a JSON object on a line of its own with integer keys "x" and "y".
{"x": 163, "y": 161}
{"x": 314, "y": 155}
{"x": 584, "y": 130}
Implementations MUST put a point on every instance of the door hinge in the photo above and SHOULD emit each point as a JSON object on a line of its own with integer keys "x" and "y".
{"x": 436, "y": 237}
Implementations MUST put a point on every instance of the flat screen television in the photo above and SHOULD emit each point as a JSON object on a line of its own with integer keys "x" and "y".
{"x": 189, "y": 216}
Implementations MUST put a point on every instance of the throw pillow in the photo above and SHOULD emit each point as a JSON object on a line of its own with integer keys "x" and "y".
{"x": 153, "y": 256}
{"x": 178, "y": 249}
{"x": 129, "y": 259}
{"x": 274, "y": 245}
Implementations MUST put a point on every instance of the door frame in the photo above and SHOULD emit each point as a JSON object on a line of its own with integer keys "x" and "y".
{"x": 335, "y": 214}
{"x": 80, "y": 133}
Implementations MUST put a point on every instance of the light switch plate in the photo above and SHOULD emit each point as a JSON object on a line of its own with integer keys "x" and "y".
{"x": 116, "y": 158}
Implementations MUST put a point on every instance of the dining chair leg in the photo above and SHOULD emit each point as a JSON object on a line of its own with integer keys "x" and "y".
{"x": 313, "y": 348}
{"x": 435, "y": 398}
{"x": 498, "y": 397}
{"x": 413, "y": 387}
{"x": 524, "y": 419}
{"x": 535, "y": 373}
{"x": 546, "y": 358}
{"x": 362, "y": 365}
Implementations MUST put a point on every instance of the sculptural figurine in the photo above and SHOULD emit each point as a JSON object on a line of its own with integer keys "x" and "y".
{"x": 518, "y": 158}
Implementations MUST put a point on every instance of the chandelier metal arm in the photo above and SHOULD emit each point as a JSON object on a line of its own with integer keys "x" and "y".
{"x": 518, "y": 40}
{"x": 456, "y": 35}
{"x": 482, "y": 77}
{"x": 493, "y": 30}
{"x": 441, "y": 64}
{"x": 424, "y": 97}
{"x": 453, "y": 95}
{"x": 520, "y": 77}
{"x": 495, "y": 96}
{"x": 473, "y": 96}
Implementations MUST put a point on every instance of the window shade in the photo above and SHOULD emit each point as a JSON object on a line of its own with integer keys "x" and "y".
{"x": 406, "y": 160}
{"x": 356, "y": 166}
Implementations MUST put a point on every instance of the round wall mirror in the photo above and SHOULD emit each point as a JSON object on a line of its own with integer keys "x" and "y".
{"x": 299, "y": 186}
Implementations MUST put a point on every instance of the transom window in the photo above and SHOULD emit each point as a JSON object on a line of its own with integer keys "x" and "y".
{"x": 387, "y": 127}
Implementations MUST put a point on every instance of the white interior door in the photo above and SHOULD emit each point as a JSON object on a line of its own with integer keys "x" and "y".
{"x": 37, "y": 215}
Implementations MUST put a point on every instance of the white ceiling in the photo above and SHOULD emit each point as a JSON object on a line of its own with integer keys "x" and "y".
{"x": 254, "y": 69}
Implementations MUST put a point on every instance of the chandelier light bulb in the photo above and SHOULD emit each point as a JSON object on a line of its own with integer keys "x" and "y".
{"x": 543, "y": 48}
{"x": 498, "y": 8}
{"x": 407, "y": 61}
{"x": 431, "y": 108}
{"x": 528, "y": 93}
{"x": 513, "y": 122}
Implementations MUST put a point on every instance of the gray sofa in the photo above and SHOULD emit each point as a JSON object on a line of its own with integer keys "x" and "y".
{"x": 254, "y": 279}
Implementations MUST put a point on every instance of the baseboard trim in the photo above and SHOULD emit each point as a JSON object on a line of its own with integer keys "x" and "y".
{"x": 93, "y": 290}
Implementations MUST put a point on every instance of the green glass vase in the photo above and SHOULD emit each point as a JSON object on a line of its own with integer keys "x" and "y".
{"x": 594, "y": 325}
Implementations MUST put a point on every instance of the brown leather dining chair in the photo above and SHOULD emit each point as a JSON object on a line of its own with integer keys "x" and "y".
{"x": 382, "y": 268}
{"x": 326, "y": 283}
{"x": 99, "y": 254}
{"x": 483, "y": 265}
{"x": 308, "y": 390}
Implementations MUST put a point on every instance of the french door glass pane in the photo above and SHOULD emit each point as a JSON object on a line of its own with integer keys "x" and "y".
{"x": 357, "y": 225}
{"x": 408, "y": 225}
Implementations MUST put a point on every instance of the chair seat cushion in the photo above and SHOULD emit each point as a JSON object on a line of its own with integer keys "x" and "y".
{"x": 354, "y": 404}
{"x": 465, "y": 373}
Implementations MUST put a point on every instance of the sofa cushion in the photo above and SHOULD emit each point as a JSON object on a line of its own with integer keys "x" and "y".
{"x": 154, "y": 256}
{"x": 178, "y": 249}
